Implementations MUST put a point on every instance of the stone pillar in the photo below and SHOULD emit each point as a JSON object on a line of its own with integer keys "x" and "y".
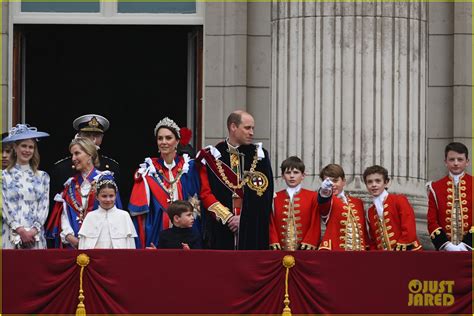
{"x": 348, "y": 87}
{"x": 225, "y": 76}
{"x": 462, "y": 79}
{"x": 4, "y": 66}
{"x": 449, "y": 101}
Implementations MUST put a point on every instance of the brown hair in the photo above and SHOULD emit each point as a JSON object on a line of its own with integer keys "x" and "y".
{"x": 172, "y": 130}
{"x": 332, "y": 171}
{"x": 376, "y": 169}
{"x": 234, "y": 118}
{"x": 34, "y": 161}
{"x": 177, "y": 208}
{"x": 291, "y": 163}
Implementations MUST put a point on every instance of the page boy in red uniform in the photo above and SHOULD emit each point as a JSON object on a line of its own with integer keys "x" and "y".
{"x": 344, "y": 216}
{"x": 391, "y": 218}
{"x": 294, "y": 222}
{"x": 450, "y": 203}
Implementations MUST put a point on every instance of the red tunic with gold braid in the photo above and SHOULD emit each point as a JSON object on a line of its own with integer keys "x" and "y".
{"x": 396, "y": 228}
{"x": 345, "y": 225}
{"x": 295, "y": 224}
{"x": 450, "y": 211}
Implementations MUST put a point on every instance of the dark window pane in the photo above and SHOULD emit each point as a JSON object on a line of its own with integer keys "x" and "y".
{"x": 83, "y": 6}
{"x": 188, "y": 7}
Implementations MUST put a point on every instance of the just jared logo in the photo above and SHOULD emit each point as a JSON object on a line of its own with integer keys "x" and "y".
{"x": 430, "y": 293}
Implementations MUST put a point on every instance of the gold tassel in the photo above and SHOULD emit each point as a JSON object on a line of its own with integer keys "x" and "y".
{"x": 288, "y": 263}
{"x": 82, "y": 260}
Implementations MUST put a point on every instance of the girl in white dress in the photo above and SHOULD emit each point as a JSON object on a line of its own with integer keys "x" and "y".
{"x": 25, "y": 192}
{"x": 108, "y": 227}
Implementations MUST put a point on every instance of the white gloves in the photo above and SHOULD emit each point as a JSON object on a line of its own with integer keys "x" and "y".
{"x": 327, "y": 184}
{"x": 326, "y": 188}
{"x": 449, "y": 246}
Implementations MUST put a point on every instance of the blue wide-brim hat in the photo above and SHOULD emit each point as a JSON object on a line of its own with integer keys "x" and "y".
{"x": 23, "y": 131}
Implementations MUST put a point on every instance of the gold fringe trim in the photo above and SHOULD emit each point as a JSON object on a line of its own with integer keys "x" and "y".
{"x": 82, "y": 260}
{"x": 288, "y": 263}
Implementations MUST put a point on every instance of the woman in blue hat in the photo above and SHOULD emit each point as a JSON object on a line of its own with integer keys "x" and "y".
{"x": 78, "y": 197}
{"x": 25, "y": 191}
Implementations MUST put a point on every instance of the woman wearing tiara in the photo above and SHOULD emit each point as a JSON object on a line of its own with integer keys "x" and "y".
{"x": 162, "y": 180}
{"x": 78, "y": 197}
{"x": 25, "y": 191}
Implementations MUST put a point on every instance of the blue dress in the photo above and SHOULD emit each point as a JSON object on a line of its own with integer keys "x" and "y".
{"x": 25, "y": 204}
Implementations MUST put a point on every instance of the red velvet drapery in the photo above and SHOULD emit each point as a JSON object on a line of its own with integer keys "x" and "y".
{"x": 223, "y": 282}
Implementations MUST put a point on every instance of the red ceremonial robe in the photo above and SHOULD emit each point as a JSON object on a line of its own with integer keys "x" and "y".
{"x": 295, "y": 224}
{"x": 441, "y": 215}
{"x": 345, "y": 225}
{"x": 396, "y": 229}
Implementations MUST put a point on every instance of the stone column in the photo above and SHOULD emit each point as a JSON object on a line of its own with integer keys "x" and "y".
{"x": 462, "y": 76}
{"x": 348, "y": 87}
{"x": 4, "y": 66}
{"x": 237, "y": 66}
{"x": 225, "y": 64}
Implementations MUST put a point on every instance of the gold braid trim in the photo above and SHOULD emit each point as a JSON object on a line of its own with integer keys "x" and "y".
{"x": 326, "y": 245}
{"x": 222, "y": 212}
{"x": 435, "y": 232}
{"x": 403, "y": 247}
{"x": 247, "y": 175}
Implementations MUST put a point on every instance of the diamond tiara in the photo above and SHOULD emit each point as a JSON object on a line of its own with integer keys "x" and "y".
{"x": 167, "y": 122}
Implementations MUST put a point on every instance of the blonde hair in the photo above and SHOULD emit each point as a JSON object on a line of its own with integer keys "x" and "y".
{"x": 88, "y": 147}
{"x": 34, "y": 161}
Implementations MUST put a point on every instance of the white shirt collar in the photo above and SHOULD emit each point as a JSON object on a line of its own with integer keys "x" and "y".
{"x": 378, "y": 202}
{"x": 169, "y": 166}
{"x": 230, "y": 145}
{"x": 24, "y": 167}
{"x": 292, "y": 191}
{"x": 342, "y": 196}
{"x": 103, "y": 211}
{"x": 260, "y": 152}
{"x": 456, "y": 177}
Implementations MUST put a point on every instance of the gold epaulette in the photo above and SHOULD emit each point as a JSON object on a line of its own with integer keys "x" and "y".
{"x": 222, "y": 212}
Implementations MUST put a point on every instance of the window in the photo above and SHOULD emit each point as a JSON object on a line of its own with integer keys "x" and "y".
{"x": 84, "y": 6}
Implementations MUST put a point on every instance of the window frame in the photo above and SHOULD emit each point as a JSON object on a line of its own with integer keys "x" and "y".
{"x": 108, "y": 14}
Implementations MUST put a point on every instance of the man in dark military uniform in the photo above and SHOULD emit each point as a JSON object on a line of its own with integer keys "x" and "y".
{"x": 91, "y": 126}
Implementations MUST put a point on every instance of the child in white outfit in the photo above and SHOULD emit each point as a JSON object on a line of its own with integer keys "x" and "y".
{"x": 108, "y": 227}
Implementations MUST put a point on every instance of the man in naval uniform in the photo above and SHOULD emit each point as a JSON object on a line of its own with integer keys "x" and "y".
{"x": 236, "y": 188}
{"x": 91, "y": 126}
